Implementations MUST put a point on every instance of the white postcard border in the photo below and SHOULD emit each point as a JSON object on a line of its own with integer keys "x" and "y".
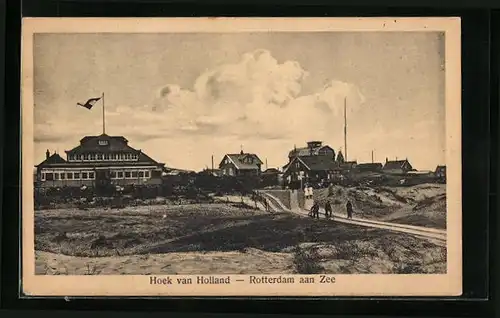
{"x": 449, "y": 284}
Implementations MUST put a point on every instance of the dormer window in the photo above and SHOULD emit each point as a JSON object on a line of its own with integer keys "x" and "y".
{"x": 103, "y": 142}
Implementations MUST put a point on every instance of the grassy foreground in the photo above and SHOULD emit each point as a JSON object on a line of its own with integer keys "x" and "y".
{"x": 219, "y": 238}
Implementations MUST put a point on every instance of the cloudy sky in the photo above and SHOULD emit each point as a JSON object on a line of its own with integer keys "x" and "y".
{"x": 182, "y": 98}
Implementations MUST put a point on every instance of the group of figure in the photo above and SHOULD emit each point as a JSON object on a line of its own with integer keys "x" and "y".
{"x": 314, "y": 212}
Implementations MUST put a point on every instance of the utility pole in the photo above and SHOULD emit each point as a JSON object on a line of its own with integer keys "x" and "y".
{"x": 345, "y": 128}
{"x": 103, "y": 116}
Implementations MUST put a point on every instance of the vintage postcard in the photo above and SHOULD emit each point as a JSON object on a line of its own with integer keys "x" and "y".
{"x": 241, "y": 157}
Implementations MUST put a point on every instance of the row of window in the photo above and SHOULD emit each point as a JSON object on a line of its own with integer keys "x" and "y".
{"x": 130, "y": 174}
{"x": 49, "y": 176}
{"x": 104, "y": 156}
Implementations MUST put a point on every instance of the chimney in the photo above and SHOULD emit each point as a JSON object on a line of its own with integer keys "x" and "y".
{"x": 47, "y": 154}
{"x": 212, "y": 163}
{"x": 386, "y": 160}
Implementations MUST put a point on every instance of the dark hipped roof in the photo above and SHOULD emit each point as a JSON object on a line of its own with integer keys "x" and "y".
{"x": 369, "y": 166}
{"x": 54, "y": 159}
{"x": 318, "y": 163}
{"x": 395, "y": 164}
{"x": 91, "y": 143}
{"x": 238, "y": 158}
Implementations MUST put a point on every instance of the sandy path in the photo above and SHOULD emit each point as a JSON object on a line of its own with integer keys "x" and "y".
{"x": 238, "y": 199}
{"x": 436, "y": 235}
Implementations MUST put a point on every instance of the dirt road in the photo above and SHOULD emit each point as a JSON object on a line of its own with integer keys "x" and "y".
{"x": 435, "y": 235}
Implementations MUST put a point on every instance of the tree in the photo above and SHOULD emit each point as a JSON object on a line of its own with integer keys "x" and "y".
{"x": 340, "y": 157}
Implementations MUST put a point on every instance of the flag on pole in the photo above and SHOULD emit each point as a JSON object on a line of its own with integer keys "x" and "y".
{"x": 90, "y": 103}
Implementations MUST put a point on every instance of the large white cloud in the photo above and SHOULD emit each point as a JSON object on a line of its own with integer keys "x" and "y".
{"x": 256, "y": 98}
{"x": 256, "y": 95}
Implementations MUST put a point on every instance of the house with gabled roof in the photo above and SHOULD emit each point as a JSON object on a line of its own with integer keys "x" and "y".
{"x": 313, "y": 148}
{"x": 99, "y": 161}
{"x": 311, "y": 169}
{"x": 240, "y": 164}
{"x": 397, "y": 166}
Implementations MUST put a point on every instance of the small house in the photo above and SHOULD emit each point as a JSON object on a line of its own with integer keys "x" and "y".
{"x": 310, "y": 169}
{"x": 397, "y": 166}
{"x": 240, "y": 164}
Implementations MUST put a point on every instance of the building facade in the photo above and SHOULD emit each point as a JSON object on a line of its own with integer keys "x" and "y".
{"x": 99, "y": 161}
{"x": 241, "y": 164}
{"x": 311, "y": 169}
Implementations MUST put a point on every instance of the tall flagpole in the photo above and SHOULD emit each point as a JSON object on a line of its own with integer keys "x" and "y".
{"x": 345, "y": 128}
{"x": 103, "y": 121}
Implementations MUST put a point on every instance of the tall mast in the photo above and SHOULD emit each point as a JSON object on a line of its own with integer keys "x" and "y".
{"x": 103, "y": 120}
{"x": 345, "y": 128}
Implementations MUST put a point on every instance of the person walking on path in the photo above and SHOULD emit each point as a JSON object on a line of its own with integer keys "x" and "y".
{"x": 316, "y": 210}
{"x": 314, "y": 213}
{"x": 328, "y": 210}
{"x": 349, "y": 209}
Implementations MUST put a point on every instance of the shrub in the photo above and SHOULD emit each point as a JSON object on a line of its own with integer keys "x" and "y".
{"x": 306, "y": 262}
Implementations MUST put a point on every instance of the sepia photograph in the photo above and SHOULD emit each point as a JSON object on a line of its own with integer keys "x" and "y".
{"x": 241, "y": 157}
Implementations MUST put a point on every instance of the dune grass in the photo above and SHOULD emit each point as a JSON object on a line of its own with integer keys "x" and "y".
{"x": 219, "y": 238}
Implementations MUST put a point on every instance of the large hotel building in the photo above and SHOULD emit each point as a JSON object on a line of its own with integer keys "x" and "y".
{"x": 99, "y": 161}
